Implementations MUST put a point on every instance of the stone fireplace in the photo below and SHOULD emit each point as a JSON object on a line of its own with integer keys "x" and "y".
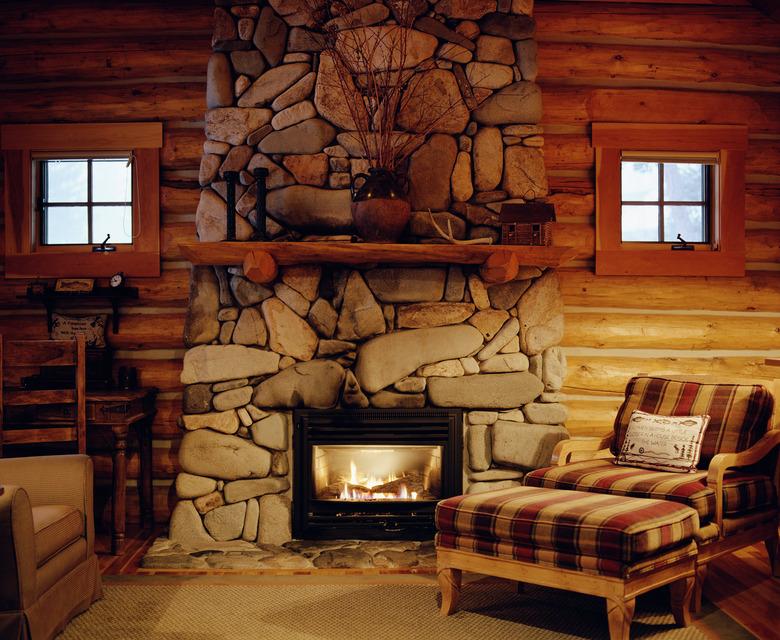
{"x": 374, "y": 338}
{"x": 387, "y": 338}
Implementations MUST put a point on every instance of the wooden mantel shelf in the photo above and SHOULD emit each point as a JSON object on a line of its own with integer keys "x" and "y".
{"x": 499, "y": 263}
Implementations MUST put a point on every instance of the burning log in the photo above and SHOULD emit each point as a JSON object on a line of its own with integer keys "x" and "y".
{"x": 335, "y": 489}
{"x": 396, "y": 487}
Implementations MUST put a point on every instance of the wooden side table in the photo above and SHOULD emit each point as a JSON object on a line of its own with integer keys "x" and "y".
{"x": 121, "y": 412}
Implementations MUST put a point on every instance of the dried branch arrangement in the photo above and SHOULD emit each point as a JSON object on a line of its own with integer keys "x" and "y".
{"x": 379, "y": 79}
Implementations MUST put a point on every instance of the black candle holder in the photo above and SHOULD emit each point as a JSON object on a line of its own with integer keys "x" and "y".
{"x": 231, "y": 177}
{"x": 261, "y": 213}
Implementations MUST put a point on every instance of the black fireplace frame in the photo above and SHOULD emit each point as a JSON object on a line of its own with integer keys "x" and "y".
{"x": 382, "y": 519}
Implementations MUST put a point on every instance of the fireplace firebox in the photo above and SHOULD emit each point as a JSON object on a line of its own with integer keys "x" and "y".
{"x": 374, "y": 473}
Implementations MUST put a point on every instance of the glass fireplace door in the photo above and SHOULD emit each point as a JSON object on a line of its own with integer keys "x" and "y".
{"x": 368, "y": 473}
{"x": 373, "y": 473}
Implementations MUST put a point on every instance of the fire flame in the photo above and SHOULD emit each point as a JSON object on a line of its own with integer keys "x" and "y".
{"x": 351, "y": 492}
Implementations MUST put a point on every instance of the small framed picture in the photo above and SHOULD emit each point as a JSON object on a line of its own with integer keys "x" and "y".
{"x": 75, "y": 285}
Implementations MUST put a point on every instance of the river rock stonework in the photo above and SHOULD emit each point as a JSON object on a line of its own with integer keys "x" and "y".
{"x": 237, "y": 447}
{"x": 384, "y": 337}
{"x": 275, "y": 101}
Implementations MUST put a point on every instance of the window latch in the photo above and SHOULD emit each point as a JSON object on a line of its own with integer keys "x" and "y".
{"x": 683, "y": 245}
{"x": 104, "y": 247}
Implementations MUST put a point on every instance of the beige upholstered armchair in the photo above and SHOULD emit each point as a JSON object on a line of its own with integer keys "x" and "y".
{"x": 48, "y": 568}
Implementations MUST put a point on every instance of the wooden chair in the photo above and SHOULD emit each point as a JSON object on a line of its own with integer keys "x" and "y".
{"x": 24, "y": 357}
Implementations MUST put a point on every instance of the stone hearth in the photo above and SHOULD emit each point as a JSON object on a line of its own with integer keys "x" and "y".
{"x": 382, "y": 337}
{"x": 294, "y": 556}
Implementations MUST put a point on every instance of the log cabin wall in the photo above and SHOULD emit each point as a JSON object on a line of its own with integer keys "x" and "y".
{"x": 91, "y": 61}
{"x": 705, "y": 61}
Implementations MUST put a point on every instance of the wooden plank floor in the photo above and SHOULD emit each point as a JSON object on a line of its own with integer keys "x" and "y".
{"x": 128, "y": 563}
{"x": 739, "y": 584}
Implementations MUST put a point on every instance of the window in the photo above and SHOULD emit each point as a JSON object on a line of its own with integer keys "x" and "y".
{"x": 85, "y": 200}
{"x": 660, "y": 185}
{"x": 72, "y": 188}
{"x": 663, "y": 201}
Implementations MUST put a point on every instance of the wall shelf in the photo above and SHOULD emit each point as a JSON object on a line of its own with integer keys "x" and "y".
{"x": 49, "y": 298}
{"x": 499, "y": 263}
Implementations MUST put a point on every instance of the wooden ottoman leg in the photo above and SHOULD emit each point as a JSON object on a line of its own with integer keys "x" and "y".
{"x": 698, "y": 588}
{"x": 619, "y": 614}
{"x": 681, "y": 592}
{"x": 449, "y": 583}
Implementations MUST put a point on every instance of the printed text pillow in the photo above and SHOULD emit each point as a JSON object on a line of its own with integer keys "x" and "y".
{"x": 663, "y": 443}
{"x": 66, "y": 327}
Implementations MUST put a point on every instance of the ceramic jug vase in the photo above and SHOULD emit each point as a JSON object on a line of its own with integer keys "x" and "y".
{"x": 379, "y": 209}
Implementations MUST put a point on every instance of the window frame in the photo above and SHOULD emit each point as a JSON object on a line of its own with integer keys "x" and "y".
{"x": 724, "y": 254}
{"x": 25, "y": 256}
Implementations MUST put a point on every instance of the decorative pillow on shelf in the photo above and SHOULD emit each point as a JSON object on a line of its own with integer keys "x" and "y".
{"x": 66, "y": 328}
{"x": 663, "y": 443}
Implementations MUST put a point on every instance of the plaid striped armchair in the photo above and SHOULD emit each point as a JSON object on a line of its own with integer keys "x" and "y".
{"x": 736, "y": 485}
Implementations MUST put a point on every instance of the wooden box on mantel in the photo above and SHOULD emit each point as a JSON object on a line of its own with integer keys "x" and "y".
{"x": 527, "y": 223}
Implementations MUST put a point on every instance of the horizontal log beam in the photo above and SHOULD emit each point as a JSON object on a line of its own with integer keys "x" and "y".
{"x": 163, "y": 374}
{"x": 98, "y": 104}
{"x": 592, "y": 416}
{"x": 759, "y": 291}
{"x": 610, "y": 330}
{"x": 580, "y": 236}
{"x": 172, "y": 236}
{"x": 573, "y": 205}
{"x": 71, "y": 16}
{"x": 700, "y": 68}
{"x": 146, "y": 60}
{"x": 583, "y": 105}
{"x": 182, "y": 148}
{"x": 609, "y": 374}
{"x": 600, "y": 21}
{"x": 179, "y": 199}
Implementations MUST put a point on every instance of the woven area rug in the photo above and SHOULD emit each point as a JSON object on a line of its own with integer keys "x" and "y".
{"x": 180, "y": 611}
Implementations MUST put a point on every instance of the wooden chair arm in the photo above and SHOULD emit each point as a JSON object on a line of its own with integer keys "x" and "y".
{"x": 596, "y": 446}
{"x": 722, "y": 462}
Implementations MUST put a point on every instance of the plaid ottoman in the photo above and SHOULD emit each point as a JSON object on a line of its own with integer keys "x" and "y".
{"x": 614, "y": 546}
